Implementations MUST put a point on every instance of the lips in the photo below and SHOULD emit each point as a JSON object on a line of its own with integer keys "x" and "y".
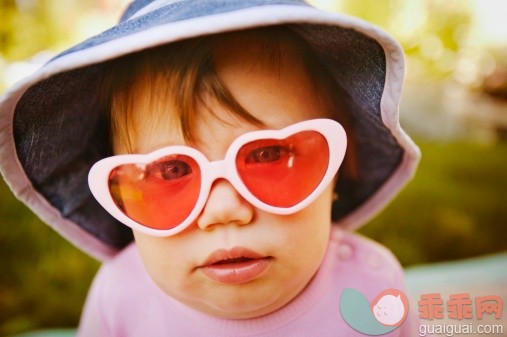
{"x": 238, "y": 265}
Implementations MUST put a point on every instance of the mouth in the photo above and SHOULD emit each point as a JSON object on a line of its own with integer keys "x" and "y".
{"x": 235, "y": 266}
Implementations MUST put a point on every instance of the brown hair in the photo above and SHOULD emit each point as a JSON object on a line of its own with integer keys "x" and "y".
{"x": 181, "y": 76}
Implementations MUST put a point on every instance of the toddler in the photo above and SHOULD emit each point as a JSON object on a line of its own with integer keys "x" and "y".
{"x": 216, "y": 156}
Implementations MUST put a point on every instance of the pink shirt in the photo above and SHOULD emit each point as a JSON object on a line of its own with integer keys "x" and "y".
{"x": 124, "y": 301}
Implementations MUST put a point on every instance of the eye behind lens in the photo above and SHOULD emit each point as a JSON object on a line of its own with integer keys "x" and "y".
{"x": 170, "y": 169}
{"x": 267, "y": 154}
{"x": 174, "y": 169}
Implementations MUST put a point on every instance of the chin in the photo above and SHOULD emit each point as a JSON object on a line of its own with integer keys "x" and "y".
{"x": 241, "y": 303}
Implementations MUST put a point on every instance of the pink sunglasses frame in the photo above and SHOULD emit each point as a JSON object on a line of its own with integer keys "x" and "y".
{"x": 333, "y": 132}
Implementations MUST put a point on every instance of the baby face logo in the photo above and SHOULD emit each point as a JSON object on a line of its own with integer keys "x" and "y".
{"x": 386, "y": 312}
{"x": 390, "y": 307}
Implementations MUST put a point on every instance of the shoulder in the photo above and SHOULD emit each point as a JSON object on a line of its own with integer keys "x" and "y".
{"x": 121, "y": 292}
{"x": 365, "y": 262}
{"x": 365, "y": 267}
{"x": 126, "y": 265}
{"x": 124, "y": 278}
{"x": 115, "y": 278}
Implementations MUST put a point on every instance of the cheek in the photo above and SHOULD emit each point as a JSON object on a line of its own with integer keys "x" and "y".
{"x": 305, "y": 235}
{"x": 316, "y": 218}
{"x": 164, "y": 260}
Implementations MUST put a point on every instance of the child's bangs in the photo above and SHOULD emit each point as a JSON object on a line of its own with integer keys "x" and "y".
{"x": 146, "y": 87}
{"x": 179, "y": 77}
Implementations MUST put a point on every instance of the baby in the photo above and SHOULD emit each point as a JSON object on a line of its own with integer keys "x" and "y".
{"x": 239, "y": 132}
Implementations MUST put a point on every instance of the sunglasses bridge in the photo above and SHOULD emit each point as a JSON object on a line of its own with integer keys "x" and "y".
{"x": 218, "y": 169}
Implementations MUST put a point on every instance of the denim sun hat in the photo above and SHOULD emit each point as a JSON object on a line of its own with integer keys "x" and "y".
{"x": 53, "y": 127}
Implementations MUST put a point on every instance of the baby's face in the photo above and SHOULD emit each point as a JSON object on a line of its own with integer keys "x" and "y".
{"x": 275, "y": 256}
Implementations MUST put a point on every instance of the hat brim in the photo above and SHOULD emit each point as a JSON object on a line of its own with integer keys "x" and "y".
{"x": 52, "y": 129}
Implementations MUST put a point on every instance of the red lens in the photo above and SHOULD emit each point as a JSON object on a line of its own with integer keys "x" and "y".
{"x": 159, "y": 195}
{"x": 284, "y": 172}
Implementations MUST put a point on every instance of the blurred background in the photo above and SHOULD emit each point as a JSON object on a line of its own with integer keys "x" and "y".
{"x": 454, "y": 106}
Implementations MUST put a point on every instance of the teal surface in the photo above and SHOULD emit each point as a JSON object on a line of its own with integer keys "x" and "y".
{"x": 485, "y": 271}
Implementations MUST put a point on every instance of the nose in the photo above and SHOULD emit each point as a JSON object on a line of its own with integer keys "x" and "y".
{"x": 225, "y": 206}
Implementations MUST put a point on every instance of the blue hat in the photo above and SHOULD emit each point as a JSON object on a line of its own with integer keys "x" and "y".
{"x": 53, "y": 128}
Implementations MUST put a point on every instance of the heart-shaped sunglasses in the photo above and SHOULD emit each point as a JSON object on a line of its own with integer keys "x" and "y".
{"x": 278, "y": 171}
